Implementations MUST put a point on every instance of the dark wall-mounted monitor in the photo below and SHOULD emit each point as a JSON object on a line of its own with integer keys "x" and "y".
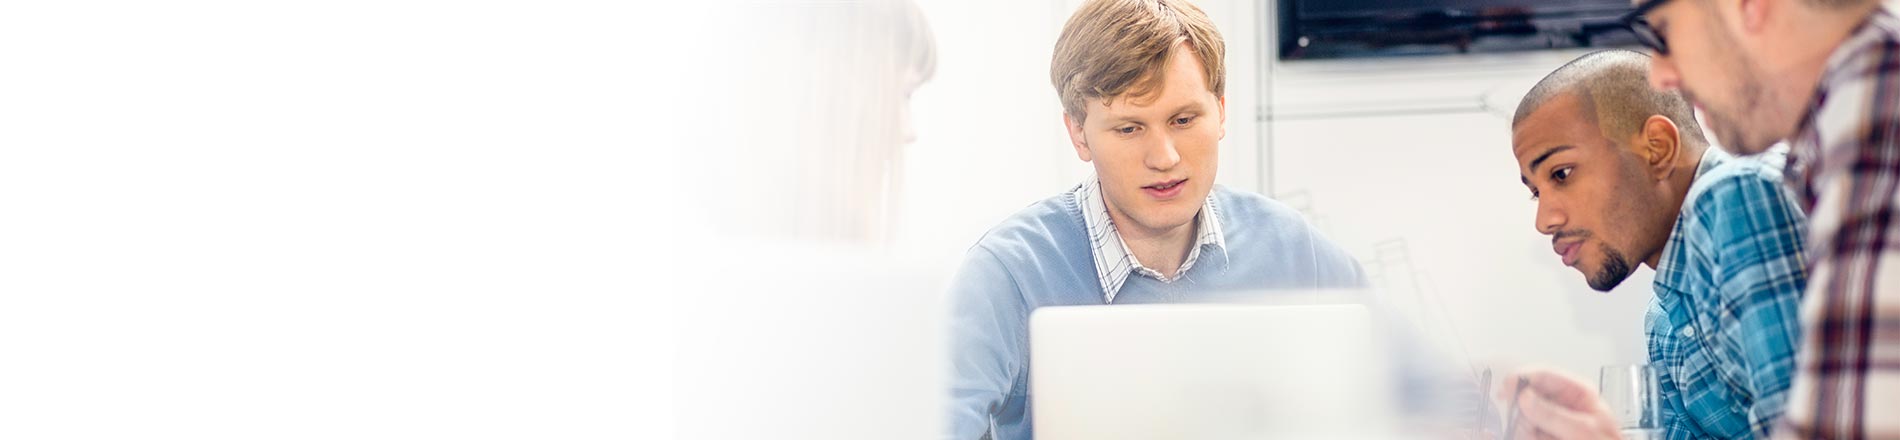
{"x": 1311, "y": 29}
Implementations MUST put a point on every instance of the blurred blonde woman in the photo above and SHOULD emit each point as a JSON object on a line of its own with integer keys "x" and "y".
{"x": 825, "y": 120}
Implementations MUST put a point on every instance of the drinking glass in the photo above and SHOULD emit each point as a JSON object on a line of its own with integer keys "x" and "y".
{"x": 1631, "y": 394}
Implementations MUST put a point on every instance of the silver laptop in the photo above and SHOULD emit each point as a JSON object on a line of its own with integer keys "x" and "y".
{"x": 1207, "y": 371}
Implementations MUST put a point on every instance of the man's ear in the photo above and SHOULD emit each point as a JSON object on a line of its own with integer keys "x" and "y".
{"x": 1223, "y": 117}
{"x": 1075, "y": 136}
{"x": 1660, "y": 145}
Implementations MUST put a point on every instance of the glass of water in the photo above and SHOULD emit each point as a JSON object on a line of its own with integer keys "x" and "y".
{"x": 1631, "y": 394}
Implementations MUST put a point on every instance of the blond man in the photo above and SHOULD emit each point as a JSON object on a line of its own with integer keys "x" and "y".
{"x": 1141, "y": 84}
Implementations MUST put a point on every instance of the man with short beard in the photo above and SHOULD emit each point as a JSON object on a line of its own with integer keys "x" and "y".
{"x": 1623, "y": 176}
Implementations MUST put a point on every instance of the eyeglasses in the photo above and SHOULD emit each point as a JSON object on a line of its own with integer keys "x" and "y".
{"x": 1645, "y": 33}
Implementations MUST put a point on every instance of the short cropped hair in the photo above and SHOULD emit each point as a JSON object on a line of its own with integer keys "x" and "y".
{"x": 1115, "y": 48}
{"x": 1613, "y": 86}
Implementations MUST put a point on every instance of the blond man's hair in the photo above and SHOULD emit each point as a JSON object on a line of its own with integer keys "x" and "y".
{"x": 1118, "y": 48}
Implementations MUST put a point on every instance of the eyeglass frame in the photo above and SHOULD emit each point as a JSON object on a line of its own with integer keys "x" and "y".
{"x": 1646, "y": 34}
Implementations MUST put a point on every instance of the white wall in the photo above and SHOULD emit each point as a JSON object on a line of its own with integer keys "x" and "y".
{"x": 989, "y": 129}
{"x": 1406, "y": 163}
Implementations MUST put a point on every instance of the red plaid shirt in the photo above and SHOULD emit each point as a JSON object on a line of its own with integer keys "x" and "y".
{"x": 1845, "y": 166}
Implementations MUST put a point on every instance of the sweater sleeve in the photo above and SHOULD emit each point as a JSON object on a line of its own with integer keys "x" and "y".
{"x": 988, "y": 344}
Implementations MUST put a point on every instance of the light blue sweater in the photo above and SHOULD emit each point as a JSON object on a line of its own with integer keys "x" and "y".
{"x": 1041, "y": 257}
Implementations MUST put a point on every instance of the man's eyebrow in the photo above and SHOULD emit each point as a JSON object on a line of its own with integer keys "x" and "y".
{"x": 1542, "y": 157}
{"x": 1136, "y": 118}
{"x": 1123, "y": 118}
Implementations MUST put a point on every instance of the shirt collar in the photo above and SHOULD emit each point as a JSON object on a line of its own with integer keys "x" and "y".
{"x": 1712, "y": 156}
{"x": 1114, "y": 261}
{"x": 1667, "y": 273}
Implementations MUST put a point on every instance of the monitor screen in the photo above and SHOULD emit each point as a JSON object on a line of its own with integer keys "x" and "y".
{"x": 1311, "y": 29}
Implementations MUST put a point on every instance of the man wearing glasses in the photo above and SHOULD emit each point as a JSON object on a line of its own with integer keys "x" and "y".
{"x": 1824, "y": 76}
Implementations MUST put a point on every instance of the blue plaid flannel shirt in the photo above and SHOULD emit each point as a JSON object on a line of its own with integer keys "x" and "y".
{"x": 1724, "y": 323}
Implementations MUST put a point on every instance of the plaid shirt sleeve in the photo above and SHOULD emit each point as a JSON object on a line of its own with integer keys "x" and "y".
{"x": 1761, "y": 273}
{"x": 1847, "y": 165}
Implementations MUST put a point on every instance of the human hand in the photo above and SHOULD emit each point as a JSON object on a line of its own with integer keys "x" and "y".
{"x": 1555, "y": 405}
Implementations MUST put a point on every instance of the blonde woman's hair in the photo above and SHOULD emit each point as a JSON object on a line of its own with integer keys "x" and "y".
{"x": 820, "y": 138}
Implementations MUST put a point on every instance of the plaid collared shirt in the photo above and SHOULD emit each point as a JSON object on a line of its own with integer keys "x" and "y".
{"x": 1845, "y": 165}
{"x": 1114, "y": 261}
{"x": 1723, "y": 325}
